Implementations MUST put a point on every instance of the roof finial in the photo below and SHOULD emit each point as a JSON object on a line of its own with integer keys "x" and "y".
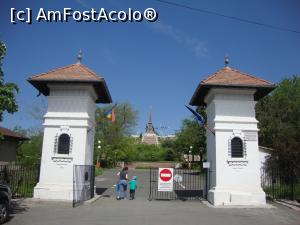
{"x": 79, "y": 57}
{"x": 226, "y": 60}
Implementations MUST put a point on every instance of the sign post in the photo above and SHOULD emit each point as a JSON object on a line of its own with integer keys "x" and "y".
{"x": 165, "y": 179}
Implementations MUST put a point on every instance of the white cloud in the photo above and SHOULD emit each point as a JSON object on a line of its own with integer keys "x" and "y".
{"x": 83, "y": 4}
{"x": 198, "y": 47}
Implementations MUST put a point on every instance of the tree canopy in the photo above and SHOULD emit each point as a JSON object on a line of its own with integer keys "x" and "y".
{"x": 279, "y": 122}
{"x": 8, "y": 91}
{"x": 114, "y": 136}
{"x": 191, "y": 134}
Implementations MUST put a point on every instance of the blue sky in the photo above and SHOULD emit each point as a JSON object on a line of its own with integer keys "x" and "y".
{"x": 151, "y": 64}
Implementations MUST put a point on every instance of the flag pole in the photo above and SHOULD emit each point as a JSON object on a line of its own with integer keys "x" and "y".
{"x": 200, "y": 119}
{"x": 210, "y": 129}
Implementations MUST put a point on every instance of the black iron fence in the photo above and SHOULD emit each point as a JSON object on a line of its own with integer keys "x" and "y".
{"x": 21, "y": 178}
{"x": 83, "y": 183}
{"x": 279, "y": 184}
{"x": 187, "y": 184}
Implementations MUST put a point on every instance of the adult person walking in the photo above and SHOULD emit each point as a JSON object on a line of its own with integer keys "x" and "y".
{"x": 122, "y": 183}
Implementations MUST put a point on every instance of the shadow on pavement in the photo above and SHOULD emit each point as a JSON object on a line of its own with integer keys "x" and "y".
{"x": 189, "y": 194}
{"x": 17, "y": 207}
{"x": 100, "y": 191}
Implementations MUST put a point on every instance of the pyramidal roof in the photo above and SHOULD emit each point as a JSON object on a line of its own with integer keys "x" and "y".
{"x": 75, "y": 73}
{"x": 231, "y": 78}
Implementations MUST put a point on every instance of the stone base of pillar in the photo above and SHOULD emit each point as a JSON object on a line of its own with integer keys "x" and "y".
{"x": 53, "y": 192}
{"x": 219, "y": 197}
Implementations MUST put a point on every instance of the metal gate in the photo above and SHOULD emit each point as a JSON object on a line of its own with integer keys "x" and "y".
{"x": 83, "y": 183}
{"x": 281, "y": 184}
{"x": 21, "y": 178}
{"x": 187, "y": 184}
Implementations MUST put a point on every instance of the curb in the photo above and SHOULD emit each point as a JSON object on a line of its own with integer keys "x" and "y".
{"x": 92, "y": 200}
{"x": 266, "y": 206}
{"x": 287, "y": 205}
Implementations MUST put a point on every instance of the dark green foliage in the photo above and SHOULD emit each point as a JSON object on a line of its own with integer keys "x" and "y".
{"x": 279, "y": 123}
{"x": 29, "y": 152}
{"x": 170, "y": 148}
{"x": 283, "y": 191}
{"x": 7, "y": 90}
{"x": 191, "y": 134}
{"x": 151, "y": 153}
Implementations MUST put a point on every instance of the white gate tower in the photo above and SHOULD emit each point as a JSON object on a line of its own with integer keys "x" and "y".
{"x": 230, "y": 97}
{"x": 68, "y": 125}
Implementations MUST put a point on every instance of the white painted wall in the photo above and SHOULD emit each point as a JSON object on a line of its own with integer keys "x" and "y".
{"x": 233, "y": 181}
{"x": 71, "y": 110}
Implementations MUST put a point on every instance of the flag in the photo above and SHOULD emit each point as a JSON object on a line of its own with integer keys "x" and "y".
{"x": 110, "y": 114}
{"x": 198, "y": 116}
{"x": 201, "y": 120}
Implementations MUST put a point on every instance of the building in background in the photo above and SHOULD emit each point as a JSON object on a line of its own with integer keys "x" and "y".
{"x": 150, "y": 136}
{"x": 9, "y": 143}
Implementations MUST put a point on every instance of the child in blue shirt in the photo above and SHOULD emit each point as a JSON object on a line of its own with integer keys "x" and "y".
{"x": 132, "y": 187}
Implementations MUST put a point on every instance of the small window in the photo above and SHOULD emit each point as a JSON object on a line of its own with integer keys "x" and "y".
{"x": 63, "y": 144}
{"x": 86, "y": 176}
{"x": 237, "y": 150}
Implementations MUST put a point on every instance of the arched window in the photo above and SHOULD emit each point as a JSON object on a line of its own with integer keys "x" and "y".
{"x": 86, "y": 176}
{"x": 237, "y": 150}
{"x": 63, "y": 144}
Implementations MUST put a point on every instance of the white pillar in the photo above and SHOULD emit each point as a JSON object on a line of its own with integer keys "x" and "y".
{"x": 233, "y": 181}
{"x": 71, "y": 111}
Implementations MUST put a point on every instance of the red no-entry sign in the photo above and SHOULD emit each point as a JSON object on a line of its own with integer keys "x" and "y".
{"x": 165, "y": 179}
{"x": 165, "y": 175}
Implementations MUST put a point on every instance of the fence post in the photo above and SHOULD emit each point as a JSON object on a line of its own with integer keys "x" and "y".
{"x": 273, "y": 181}
{"x": 206, "y": 183}
{"x": 292, "y": 186}
{"x": 150, "y": 179}
{"x": 74, "y": 188}
{"x": 92, "y": 181}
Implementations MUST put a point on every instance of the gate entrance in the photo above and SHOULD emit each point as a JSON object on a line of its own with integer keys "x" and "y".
{"x": 83, "y": 183}
{"x": 188, "y": 184}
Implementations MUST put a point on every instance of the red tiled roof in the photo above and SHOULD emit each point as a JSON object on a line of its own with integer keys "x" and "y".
{"x": 9, "y": 133}
{"x": 75, "y": 73}
{"x": 231, "y": 78}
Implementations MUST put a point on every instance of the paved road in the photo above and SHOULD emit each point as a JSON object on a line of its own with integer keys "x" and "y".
{"x": 108, "y": 211}
{"x": 105, "y": 184}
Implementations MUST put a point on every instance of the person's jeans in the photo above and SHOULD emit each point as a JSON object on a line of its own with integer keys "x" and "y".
{"x": 122, "y": 188}
{"x": 118, "y": 189}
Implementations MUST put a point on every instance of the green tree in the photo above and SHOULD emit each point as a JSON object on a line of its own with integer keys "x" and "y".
{"x": 279, "y": 123}
{"x": 170, "y": 148}
{"x": 7, "y": 90}
{"x": 29, "y": 152}
{"x": 114, "y": 136}
{"x": 191, "y": 134}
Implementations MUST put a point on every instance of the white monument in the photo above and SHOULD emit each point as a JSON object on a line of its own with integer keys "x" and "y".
{"x": 68, "y": 126}
{"x": 230, "y": 97}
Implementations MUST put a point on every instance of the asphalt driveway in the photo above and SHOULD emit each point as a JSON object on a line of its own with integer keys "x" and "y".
{"x": 109, "y": 211}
